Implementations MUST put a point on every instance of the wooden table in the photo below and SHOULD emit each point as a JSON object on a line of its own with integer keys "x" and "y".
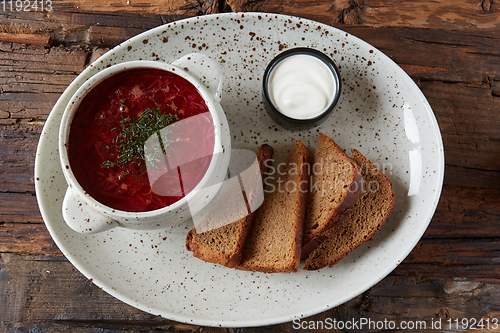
{"x": 451, "y": 49}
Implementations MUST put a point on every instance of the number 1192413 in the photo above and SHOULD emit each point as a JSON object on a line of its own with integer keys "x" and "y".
{"x": 26, "y": 5}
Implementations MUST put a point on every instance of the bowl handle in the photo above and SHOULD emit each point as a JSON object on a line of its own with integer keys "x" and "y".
{"x": 205, "y": 70}
{"x": 81, "y": 217}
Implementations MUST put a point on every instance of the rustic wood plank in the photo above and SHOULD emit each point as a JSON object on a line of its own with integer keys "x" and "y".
{"x": 72, "y": 28}
{"x": 469, "y": 121}
{"x": 457, "y": 257}
{"x": 28, "y": 105}
{"x": 32, "y": 78}
{"x": 415, "y": 300}
{"x": 458, "y": 252}
{"x": 460, "y": 176}
{"x": 17, "y": 151}
{"x": 459, "y": 15}
{"x": 110, "y": 36}
{"x": 47, "y": 292}
{"x": 16, "y": 177}
{"x": 29, "y": 22}
{"x": 27, "y": 238}
{"x": 33, "y": 59}
{"x": 430, "y": 14}
{"x": 33, "y": 39}
{"x": 450, "y": 49}
{"x": 418, "y": 14}
{"x": 459, "y": 89}
{"x": 98, "y": 326}
{"x": 444, "y": 74}
{"x": 325, "y": 11}
{"x": 428, "y": 299}
{"x": 109, "y": 326}
{"x": 69, "y": 20}
{"x": 16, "y": 29}
{"x": 179, "y": 7}
{"x": 28, "y": 90}
{"x": 465, "y": 212}
{"x": 19, "y": 208}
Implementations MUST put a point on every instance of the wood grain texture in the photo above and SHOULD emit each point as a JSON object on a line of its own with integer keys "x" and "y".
{"x": 18, "y": 207}
{"x": 33, "y": 39}
{"x": 458, "y": 258}
{"x": 461, "y": 176}
{"x": 451, "y": 49}
{"x": 467, "y": 213}
{"x": 461, "y": 15}
{"x": 32, "y": 78}
{"x": 179, "y": 7}
{"x": 23, "y": 238}
{"x": 458, "y": 83}
{"x": 48, "y": 294}
{"x": 72, "y": 28}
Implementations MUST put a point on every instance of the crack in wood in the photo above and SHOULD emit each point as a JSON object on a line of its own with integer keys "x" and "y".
{"x": 448, "y": 43}
{"x": 88, "y": 59}
{"x": 350, "y": 15}
{"x": 223, "y": 6}
{"x": 32, "y": 193}
{"x": 444, "y": 81}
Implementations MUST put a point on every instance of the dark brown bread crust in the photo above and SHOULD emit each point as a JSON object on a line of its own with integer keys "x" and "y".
{"x": 249, "y": 260}
{"x": 315, "y": 234}
{"x": 344, "y": 209}
{"x": 353, "y": 232}
{"x": 200, "y": 244}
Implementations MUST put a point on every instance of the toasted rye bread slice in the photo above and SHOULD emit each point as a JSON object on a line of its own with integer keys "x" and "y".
{"x": 275, "y": 239}
{"x": 224, "y": 245}
{"x": 336, "y": 186}
{"x": 367, "y": 217}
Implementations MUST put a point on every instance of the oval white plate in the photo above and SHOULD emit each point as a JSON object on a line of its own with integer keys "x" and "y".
{"x": 382, "y": 113}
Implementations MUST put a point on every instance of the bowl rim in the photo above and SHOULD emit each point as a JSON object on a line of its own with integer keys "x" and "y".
{"x": 91, "y": 83}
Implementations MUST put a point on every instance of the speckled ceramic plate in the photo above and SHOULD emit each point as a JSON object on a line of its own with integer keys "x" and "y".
{"x": 382, "y": 113}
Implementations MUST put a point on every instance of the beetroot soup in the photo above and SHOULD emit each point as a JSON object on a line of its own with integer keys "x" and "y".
{"x": 115, "y": 119}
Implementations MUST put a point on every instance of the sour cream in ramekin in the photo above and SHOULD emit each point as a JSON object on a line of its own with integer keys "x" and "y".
{"x": 301, "y": 87}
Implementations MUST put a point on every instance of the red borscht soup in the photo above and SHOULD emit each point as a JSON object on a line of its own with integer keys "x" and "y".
{"x": 112, "y": 124}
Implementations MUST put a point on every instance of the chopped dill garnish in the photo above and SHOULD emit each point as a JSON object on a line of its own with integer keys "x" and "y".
{"x": 108, "y": 164}
{"x": 133, "y": 135}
